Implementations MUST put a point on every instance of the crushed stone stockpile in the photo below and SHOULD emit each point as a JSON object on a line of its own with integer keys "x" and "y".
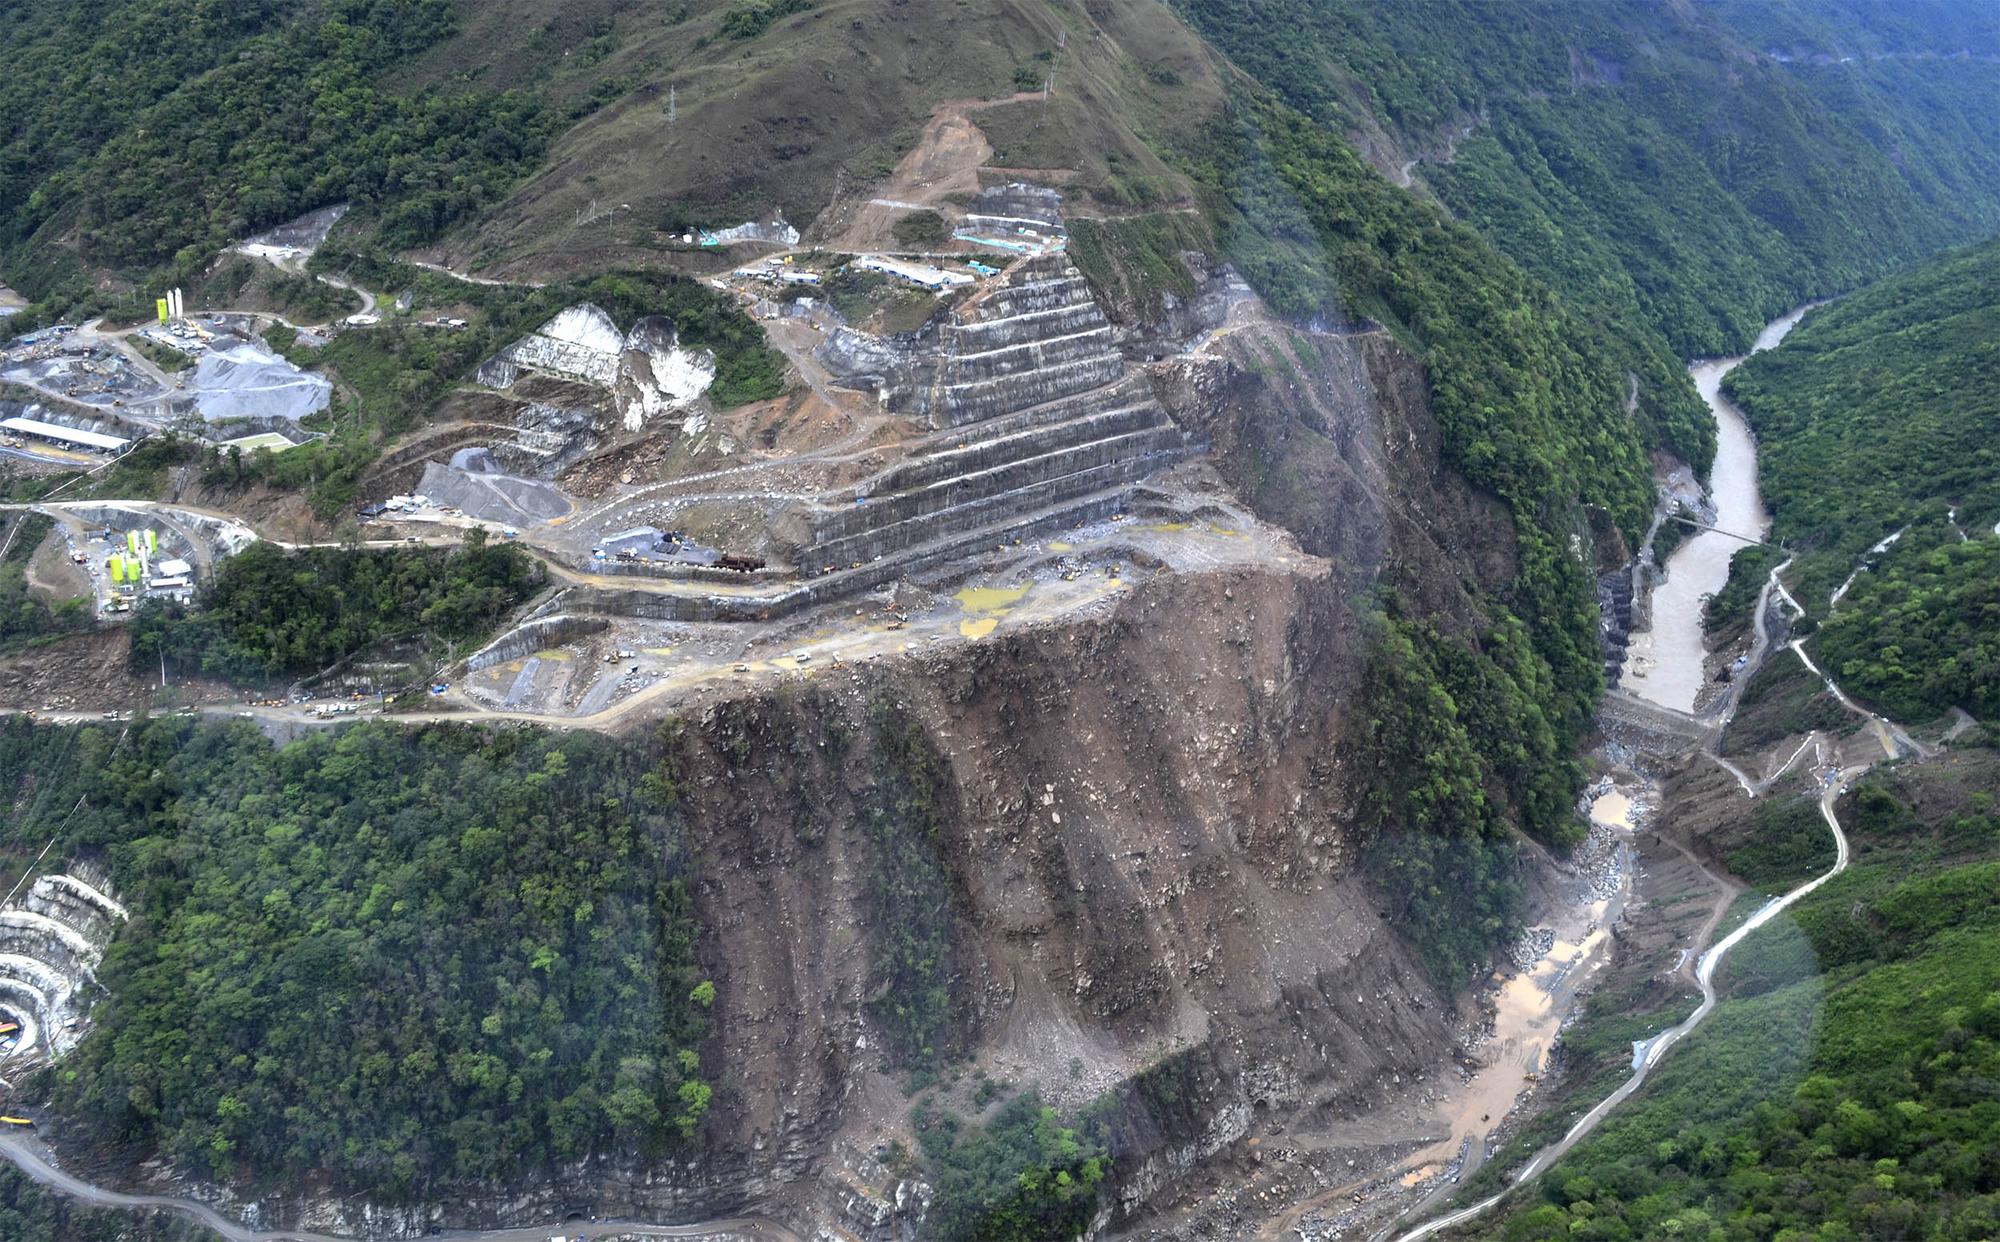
{"x": 475, "y": 488}
{"x": 242, "y": 379}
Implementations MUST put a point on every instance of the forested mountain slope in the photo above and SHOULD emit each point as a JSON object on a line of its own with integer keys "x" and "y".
{"x": 1842, "y": 1087}
{"x": 142, "y": 134}
{"x": 1880, "y": 418}
{"x": 1652, "y": 162}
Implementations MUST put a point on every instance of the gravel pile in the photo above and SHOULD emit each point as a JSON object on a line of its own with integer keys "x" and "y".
{"x": 1532, "y": 947}
{"x": 239, "y": 379}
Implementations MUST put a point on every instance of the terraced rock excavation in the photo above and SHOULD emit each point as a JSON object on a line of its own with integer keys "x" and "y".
{"x": 1034, "y": 415}
{"x": 1002, "y": 439}
{"x": 51, "y": 940}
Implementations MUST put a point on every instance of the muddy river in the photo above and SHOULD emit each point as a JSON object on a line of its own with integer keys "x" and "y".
{"x": 1665, "y": 663}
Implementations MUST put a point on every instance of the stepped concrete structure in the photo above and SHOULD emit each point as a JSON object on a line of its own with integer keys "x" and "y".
{"x": 51, "y": 940}
{"x": 1036, "y": 421}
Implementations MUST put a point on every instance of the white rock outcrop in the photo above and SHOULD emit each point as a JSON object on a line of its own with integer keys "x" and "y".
{"x": 656, "y": 377}
{"x": 650, "y": 376}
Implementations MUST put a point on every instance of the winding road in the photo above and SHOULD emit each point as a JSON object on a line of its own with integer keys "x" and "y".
{"x": 29, "y": 1157}
{"x": 1650, "y": 1053}
{"x": 1894, "y": 741}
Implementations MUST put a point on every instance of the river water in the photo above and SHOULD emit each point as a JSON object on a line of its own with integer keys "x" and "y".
{"x": 1665, "y": 664}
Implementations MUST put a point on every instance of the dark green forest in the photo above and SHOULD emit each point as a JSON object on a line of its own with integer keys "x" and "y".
{"x": 1878, "y": 415}
{"x": 386, "y": 956}
{"x": 1020, "y": 1177}
{"x": 273, "y": 614}
{"x": 911, "y": 902}
{"x": 1920, "y": 634}
{"x": 1676, "y": 189}
{"x": 153, "y": 132}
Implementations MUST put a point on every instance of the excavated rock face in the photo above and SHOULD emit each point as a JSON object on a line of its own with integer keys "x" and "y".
{"x": 582, "y": 342}
{"x": 51, "y": 940}
{"x": 1332, "y": 438}
{"x": 647, "y": 372}
{"x": 1017, "y": 202}
{"x": 656, "y": 377}
{"x": 1151, "y": 847}
{"x": 1038, "y": 337}
{"x": 1037, "y": 418}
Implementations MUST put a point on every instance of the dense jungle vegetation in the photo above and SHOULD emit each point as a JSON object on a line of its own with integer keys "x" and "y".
{"x": 1844, "y": 1087}
{"x": 1673, "y": 192}
{"x": 1448, "y": 728}
{"x": 1920, "y": 633}
{"x": 910, "y": 896}
{"x": 1676, "y": 190}
{"x": 273, "y": 614}
{"x": 1022, "y": 1176}
{"x": 1878, "y": 415}
{"x": 150, "y": 133}
{"x": 391, "y": 957}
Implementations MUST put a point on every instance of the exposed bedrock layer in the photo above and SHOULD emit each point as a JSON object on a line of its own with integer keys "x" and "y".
{"x": 52, "y": 937}
{"x": 1036, "y": 411}
{"x": 1332, "y": 438}
{"x": 647, "y": 371}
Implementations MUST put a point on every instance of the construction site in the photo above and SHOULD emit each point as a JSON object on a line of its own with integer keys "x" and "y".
{"x": 998, "y": 463}
{"x": 52, "y": 936}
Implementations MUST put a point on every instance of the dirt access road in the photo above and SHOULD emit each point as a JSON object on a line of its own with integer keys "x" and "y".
{"x": 31, "y": 1158}
{"x": 1835, "y": 781}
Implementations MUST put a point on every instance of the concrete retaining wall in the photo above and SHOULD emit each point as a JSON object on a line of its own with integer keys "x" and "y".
{"x": 526, "y": 639}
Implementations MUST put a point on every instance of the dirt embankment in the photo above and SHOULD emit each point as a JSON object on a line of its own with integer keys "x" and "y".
{"x": 1149, "y": 838}
{"x": 86, "y": 672}
{"x": 1152, "y": 835}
